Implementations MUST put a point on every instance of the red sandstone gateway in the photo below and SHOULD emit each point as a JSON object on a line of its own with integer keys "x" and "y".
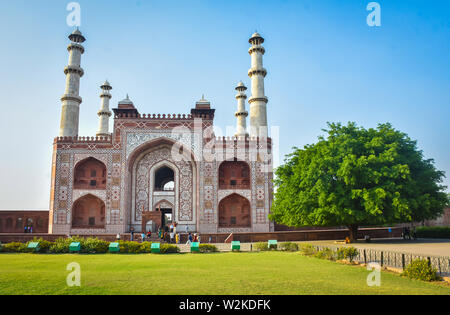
{"x": 155, "y": 170}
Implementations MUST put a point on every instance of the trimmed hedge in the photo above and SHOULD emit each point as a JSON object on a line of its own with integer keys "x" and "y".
{"x": 433, "y": 232}
{"x": 169, "y": 249}
{"x": 208, "y": 248}
{"x": 289, "y": 247}
{"x": 308, "y": 249}
{"x": 326, "y": 253}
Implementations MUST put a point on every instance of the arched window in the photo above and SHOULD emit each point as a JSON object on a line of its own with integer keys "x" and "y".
{"x": 19, "y": 223}
{"x": 88, "y": 212}
{"x": 164, "y": 179}
{"x": 234, "y": 211}
{"x": 1, "y": 224}
{"x": 90, "y": 174}
{"x": 9, "y": 223}
{"x": 234, "y": 175}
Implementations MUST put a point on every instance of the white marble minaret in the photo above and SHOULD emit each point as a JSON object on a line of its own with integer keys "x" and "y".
{"x": 258, "y": 100}
{"x": 71, "y": 99}
{"x": 104, "y": 113}
{"x": 241, "y": 114}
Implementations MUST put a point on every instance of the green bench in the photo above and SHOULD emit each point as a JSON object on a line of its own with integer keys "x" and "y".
{"x": 156, "y": 248}
{"x": 235, "y": 245}
{"x": 272, "y": 244}
{"x": 195, "y": 247}
{"x": 34, "y": 246}
{"x": 114, "y": 247}
{"x": 75, "y": 247}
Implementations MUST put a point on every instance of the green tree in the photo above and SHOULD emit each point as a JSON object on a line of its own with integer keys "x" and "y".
{"x": 357, "y": 177}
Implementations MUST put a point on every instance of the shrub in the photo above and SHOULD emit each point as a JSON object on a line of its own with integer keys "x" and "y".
{"x": 433, "y": 232}
{"x": 420, "y": 269}
{"x": 60, "y": 246}
{"x": 94, "y": 246}
{"x": 132, "y": 247}
{"x": 349, "y": 253}
{"x": 326, "y": 253}
{"x": 308, "y": 249}
{"x": 169, "y": 249}
{"x": 260, "y": 246}
{"x": 208, "y": 248}
{"x": 289, "y": 247}
{"x": 14, "y": 247}
{"x": 146, "y": 247}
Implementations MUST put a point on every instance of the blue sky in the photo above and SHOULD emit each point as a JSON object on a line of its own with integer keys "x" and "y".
{"x": 324, "y": 62}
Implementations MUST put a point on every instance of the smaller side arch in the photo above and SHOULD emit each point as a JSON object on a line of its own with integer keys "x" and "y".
{"x": 90, "y": 173}
{"x": 234, "y": 212}
{"x": 88, "y": 212}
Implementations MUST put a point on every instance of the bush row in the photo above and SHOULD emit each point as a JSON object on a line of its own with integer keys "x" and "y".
{"x": 433, "y": 232}
{"x": 88, "y": 246}
{"x": 349, "y": 253}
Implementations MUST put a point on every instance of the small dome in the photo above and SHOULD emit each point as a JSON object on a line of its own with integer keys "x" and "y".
{"x": 241, "y": 86}
{"x": 106, "y": 86}
{"x": 126, "y": 101}
{"x": 77, "y": 37}
{"x": 256, "y": 37}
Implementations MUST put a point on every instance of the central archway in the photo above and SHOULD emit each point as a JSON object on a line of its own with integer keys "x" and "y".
{"x": 150, "y": 180}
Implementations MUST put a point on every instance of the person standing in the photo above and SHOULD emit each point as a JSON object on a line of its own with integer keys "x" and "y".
{"x": 171, "y": 237}
{"x": 143, "y": 236}
{"x": 132, "y": 233}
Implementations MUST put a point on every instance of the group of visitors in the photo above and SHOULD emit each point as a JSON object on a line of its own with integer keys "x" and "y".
{"x": 193, "y": 238}
{"x": 28, "y": 229}
{"x": 408, "y": 234}
{"x": 168, "y": 234}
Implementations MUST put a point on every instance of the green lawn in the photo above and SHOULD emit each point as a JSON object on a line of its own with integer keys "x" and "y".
{"x": 198, "y": 274}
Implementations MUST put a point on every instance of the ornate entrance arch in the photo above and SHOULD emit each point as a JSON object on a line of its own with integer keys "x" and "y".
{"x": 144, "y": 195}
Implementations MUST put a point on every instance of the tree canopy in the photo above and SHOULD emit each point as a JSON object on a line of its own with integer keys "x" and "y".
{"x": 357, "y": 177}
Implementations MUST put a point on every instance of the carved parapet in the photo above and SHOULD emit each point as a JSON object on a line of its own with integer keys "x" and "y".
{"x": 98, "y": 139}
{"x": 161, "y": 116}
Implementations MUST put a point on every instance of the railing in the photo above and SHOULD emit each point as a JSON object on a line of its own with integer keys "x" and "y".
{"x": 397, "y": 259}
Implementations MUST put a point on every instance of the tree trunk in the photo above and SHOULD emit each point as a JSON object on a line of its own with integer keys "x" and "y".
{"x": 353, "y": 232}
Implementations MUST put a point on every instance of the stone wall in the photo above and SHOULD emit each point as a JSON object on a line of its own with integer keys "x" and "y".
{"x": 15, "y": 221}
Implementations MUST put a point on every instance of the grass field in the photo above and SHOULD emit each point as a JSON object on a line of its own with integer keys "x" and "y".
{"x": 203, "y": 274}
